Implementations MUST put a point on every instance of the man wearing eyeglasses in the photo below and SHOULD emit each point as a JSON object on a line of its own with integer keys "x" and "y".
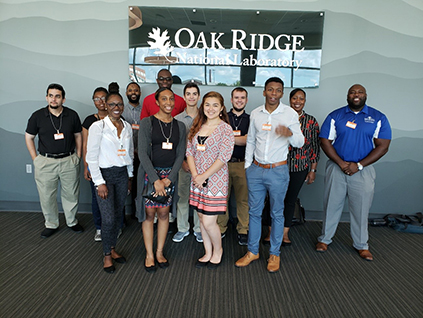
{"x": 60, "y": 148}
{"x": 149, "y": 106}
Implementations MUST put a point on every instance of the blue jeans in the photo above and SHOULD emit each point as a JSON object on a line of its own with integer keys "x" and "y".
{"x": 94, "y": 207}
{"x": 260, "y": 181}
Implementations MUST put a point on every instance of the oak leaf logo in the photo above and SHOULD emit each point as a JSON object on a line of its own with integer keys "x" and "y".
{"x": 161, "y": 44}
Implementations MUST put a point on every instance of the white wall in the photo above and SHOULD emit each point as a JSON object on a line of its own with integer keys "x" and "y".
{"x": 83, "y": 45}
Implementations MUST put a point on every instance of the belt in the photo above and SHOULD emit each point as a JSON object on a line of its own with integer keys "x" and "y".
{"x": 269, "y": 165}
{"x": 58, "y": 155}
{"x": 236, "y": 160}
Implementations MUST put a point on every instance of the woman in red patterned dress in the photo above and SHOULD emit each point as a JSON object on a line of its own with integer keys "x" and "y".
{"x": 210, "y": 146}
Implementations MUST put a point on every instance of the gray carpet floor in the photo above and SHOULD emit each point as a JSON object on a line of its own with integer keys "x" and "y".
{"x": 62, "y": 276}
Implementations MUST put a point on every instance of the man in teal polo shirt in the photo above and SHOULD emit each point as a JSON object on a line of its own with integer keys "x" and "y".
{"x": 353, "y": 137}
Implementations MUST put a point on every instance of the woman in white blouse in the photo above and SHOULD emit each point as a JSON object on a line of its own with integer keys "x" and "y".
{"x": 109, "y": 156}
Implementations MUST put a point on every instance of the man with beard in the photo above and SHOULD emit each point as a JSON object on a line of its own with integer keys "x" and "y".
{"x": 132, "y": 113}
{"x": 353, "y": 137}
{"x": 149, "y": 106}
{"x": 60, "y": 148}
{"x": 239, "y": 120}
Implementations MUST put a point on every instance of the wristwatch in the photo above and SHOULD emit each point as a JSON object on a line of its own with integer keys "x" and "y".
{"x": 313, "y": 170}
{"x": 359, "y": 166}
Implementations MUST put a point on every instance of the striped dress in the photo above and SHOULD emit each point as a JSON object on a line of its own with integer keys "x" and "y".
{"x": 211, "y": 200}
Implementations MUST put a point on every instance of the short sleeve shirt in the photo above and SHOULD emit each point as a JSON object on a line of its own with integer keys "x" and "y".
{"x": 353, "y": 134}
{"x": 46, "y": 125}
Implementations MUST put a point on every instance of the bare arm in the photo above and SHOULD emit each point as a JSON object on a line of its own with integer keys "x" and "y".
{"x": 201, "y": 178}
{"x": 87, "y": 175}
{"x": 381, "y": 148}
{"x": 241, "y": 140}
{"x": 78, "y": 144}
{"x": 30, "y": 144}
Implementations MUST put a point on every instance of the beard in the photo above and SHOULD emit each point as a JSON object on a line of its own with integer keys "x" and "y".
{"x": 54, "y": 107}
{"x": 134, "y": 100}
{"x": 238, "y": 109}
{"x": 358, "y": 106}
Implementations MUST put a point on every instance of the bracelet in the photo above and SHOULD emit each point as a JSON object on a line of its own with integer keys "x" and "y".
{"x": 96, "y": 187}
{"x": 313, "y": 170}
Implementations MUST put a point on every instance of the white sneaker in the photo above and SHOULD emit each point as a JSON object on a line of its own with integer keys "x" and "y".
{"x": 198, "y": 237}
{"x": 179, "y": 236}
{"x": 97, "y": 236}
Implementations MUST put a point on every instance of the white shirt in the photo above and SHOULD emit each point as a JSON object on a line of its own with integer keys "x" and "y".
{"x": 105, "y": 149}
{"x": 265, "y": 145}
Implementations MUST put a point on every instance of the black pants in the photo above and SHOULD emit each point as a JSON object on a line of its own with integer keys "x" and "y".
{"x": 111, "y": 208}
{"x": 296, "y": 181}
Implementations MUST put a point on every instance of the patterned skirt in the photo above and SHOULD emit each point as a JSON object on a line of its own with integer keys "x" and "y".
{"x": 162, "y": 173}
{"x": 205, "y": 202}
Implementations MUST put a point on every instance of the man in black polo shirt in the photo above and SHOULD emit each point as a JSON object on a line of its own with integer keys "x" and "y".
{"x": 239, "y": 121}
{"x": 60, "y": 147}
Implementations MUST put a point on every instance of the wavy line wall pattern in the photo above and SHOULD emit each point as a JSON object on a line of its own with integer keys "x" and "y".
{"x": 83, "y": 45}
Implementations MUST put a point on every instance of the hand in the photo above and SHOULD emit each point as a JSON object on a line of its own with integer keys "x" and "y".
{"x": 283, "y": 131}
{"x": 87, "y": 174}
{"x": 129, "y": 185}
{"x": 198, "y": 181}
{"x": 310, "y": 177}
{"x": 185, "y": 166}
{"x": 159, "y": 188}
{"x": 166, "y": 182}
{"x": 351, "y": 168}
{"x": 102, "y": 191}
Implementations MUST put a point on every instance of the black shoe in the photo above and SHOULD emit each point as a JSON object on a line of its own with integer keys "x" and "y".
{"x": 242, "y": 239}
{"x": 266, "y": 242}
{"x": 48, "y": 232}
{"x": 199, "y": 264}
{"x": 222, "y": 235}
{"x": 163, "y": 265}
{"x": 150, "y": 269}
{"x": 286, "y": 243}
{"x": 110, "y": 269}
{"x": 77, "y": 228}
{"x": 120, "y": 260}
{"x": 211, "y": 265}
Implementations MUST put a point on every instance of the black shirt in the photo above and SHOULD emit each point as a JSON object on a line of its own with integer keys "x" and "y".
{"x": 40, "y": 123}
{"x": 91, "y": 119}
{"x": 239, "y": 123}
{"x": 164, "y": 158}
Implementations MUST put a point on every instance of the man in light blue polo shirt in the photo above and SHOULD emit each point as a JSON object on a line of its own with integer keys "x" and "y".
{"x": 353, "y": 137}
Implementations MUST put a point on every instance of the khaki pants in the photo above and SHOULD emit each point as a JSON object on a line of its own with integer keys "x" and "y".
{"x": 184, "y": 183}
{"x": 48, "y": 172}
{"x": 238, "y": 180}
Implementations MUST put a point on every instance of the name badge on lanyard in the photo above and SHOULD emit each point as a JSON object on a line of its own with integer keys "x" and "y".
{"x": 201, "y": 147}
{"x": 121, "y": 152}
{"x": 167, "y": 145}
{"x": 267, "y": 127}
{"x": 135, "y": 127}
{"x": 351, "y": 124}
{"x": 59, "y": 136}
{"x": 237, "y": 132}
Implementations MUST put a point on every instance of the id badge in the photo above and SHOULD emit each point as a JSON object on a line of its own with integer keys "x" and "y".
{"x": 351, "y": 125}
{"x": 267, "y": 127}
{"x": 237, "y": 132}
{"x": 135, "y": 127}
{"x": 167, "y": 145}
{"x": 201, "y": 147}
{"x": 59, "y": 136}
{"x": 121, "y": 152}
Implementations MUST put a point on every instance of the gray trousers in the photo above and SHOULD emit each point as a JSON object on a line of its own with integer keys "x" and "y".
{"x": 359, "y": 189}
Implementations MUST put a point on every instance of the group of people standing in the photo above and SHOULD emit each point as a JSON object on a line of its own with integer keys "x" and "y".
{"x": 170, "y": 155}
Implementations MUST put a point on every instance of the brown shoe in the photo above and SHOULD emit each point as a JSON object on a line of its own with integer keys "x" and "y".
{"x": 321, "y": 247}
{"x": 365, "y": 254}
{"x": 246, "y": 259}
{"x": 273, "y": 263}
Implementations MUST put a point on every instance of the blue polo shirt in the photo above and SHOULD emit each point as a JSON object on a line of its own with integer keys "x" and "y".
{"x": 352, "y": 133}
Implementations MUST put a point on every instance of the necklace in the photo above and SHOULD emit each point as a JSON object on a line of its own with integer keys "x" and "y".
{"x": 60, "y": 125}
{"x": 161, "y": 128}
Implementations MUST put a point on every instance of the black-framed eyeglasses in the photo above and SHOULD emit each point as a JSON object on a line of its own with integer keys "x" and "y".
{"x": 113, "y": 105}
{"x": 97, "y": 99}
{"x": 168, "y": 79}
